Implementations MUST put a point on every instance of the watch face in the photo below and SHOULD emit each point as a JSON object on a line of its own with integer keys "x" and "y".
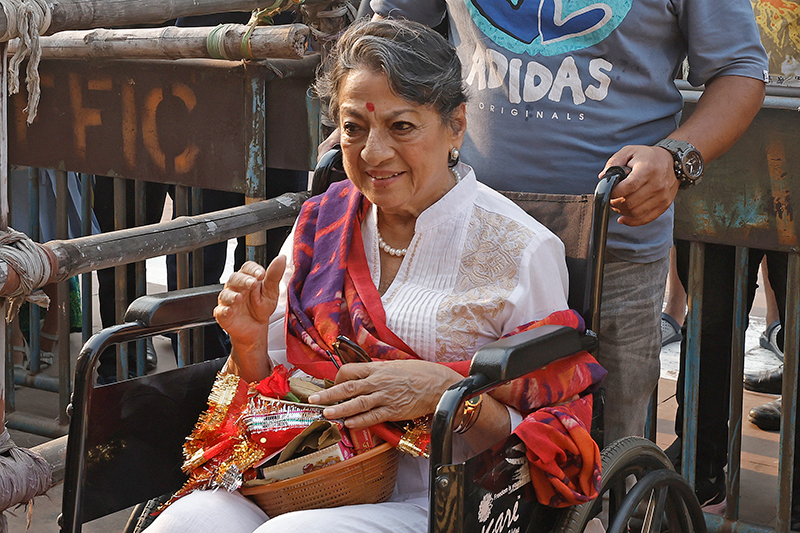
{"x": 693, "y": 165}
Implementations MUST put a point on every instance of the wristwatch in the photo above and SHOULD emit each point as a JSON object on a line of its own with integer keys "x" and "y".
{"x": 689, "y": 165}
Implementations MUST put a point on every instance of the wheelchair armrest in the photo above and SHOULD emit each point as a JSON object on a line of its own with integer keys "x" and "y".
{"x": 185, "y": 306}
{"x": 496, "y": 363}
{"x": 521, "y": 354}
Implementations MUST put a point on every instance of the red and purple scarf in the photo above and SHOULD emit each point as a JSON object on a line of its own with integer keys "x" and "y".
{"x": 331, "y": 293}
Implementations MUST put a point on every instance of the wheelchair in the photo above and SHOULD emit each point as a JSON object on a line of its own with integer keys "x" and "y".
{"x": 125, "y": 441}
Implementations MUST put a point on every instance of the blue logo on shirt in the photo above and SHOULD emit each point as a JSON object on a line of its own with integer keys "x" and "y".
{"x": 547, "y": 27}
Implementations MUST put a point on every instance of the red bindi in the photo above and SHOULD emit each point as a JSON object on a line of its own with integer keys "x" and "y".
{"x": 370, "y": 107}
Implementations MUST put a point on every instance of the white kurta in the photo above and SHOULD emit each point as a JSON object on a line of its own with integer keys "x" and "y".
{"x": 477, "y": 267}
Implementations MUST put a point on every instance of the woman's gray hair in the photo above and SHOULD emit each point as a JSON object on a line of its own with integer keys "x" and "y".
{"x": 421, "y": 66}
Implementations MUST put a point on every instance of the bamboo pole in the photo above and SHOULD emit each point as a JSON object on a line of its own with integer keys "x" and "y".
{"x": 87, "y": 14}
{"x": 85, "y": 254}
{"x": 229, "y": 41}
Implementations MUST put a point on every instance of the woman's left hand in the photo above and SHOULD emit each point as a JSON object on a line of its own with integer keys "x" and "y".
{"x": 385, "y": 391}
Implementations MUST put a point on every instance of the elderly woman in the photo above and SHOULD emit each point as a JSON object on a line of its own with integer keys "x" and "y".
{"x": 419, "y": 264}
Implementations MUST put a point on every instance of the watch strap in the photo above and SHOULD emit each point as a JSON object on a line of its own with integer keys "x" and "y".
{"x": 679, "y": 149}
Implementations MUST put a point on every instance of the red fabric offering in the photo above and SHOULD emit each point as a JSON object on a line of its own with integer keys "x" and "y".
{"x": 276, "y": 385}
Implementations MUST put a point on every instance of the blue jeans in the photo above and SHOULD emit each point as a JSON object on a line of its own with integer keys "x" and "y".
{"x": 630, "y": 341}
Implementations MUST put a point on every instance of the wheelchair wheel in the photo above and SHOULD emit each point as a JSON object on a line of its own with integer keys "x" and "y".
{"x": 661, "y": 501}
{"x": 625, "y": 462}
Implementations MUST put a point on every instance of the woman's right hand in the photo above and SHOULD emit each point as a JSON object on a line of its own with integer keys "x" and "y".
{"x": 244, "y": 306}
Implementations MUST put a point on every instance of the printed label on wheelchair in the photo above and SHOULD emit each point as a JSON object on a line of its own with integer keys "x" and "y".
{"x": 498, "y": 495}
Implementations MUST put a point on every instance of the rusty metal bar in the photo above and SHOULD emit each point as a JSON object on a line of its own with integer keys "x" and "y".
{"x": 789, "y": 394}
{"x": 182, "y": 260}
{"x": 64, "y": 372}
{"x": 33, "y": 310}
{"x": 256, "y": 242}
{"x": 62, "y": 194}
{"x": 140, "y": 215}
{"x": 737, "y": 370}
{"x": 198, "y": 276}
{"x": 38, "y": 381}
{"x": 691, "y": 383}
{"x": 256, "y": 164}
{"x": 120, "y": 275}
{"x": 37, "y": 425}
{"x": 86, "y": 279}
{"x": 181, "y": 210}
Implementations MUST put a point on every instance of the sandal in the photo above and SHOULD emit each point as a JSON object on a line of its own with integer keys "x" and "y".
{"x": 769, "y": 339}
{"x": 670, "y": 330}
{"x": 45, "y": 358}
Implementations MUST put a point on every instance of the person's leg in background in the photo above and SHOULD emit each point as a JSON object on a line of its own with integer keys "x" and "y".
{"x": 769, "y": 381}
{"x": 769, "y": 337}
{"x": 675, "y": 309}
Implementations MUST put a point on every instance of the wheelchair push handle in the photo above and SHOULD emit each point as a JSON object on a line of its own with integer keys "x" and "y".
{"x": 616, "y": 174}
{"x": 328, "y": 170}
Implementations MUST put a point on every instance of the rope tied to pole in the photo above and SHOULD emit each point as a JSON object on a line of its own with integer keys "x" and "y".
{"x": 23, "y": 475}
{"x": 215, "y": 42}
{"x": 32, "y": 264}
{"x": 328, "y": 20}
{"x": 26, "y": 21}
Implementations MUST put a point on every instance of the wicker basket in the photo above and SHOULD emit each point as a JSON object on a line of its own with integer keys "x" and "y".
{"x": 365, "y": 478}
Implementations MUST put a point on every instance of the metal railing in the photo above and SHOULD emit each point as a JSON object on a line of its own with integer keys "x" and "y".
{"x": 747, "y": 209}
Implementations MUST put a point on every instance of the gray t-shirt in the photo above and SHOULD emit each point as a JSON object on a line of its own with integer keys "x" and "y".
{"x": 557, "y": 86}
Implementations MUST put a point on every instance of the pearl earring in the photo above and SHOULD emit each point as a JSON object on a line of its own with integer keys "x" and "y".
{"x": 454, "y": 153}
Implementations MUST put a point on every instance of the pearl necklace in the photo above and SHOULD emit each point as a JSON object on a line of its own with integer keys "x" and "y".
{"x": 397, "y": 252}
{"x": 401, "y": 252}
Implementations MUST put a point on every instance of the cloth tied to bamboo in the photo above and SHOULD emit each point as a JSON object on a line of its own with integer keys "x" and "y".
{"x": 23, "y": 475}
{"x": 26, "y": 20}
{"x": 30, "y": 261}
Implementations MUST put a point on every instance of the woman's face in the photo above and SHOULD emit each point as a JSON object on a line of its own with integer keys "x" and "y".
{"x": 395, "y": 151}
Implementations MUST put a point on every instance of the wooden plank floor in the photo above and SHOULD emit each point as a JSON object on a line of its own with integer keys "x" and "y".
{"x": 759, "y": 475}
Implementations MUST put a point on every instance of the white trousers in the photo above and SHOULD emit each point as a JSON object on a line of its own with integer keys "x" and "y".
{"x": 220, "y": 511}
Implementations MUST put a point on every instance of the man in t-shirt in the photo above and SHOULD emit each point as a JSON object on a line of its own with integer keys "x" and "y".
{"x": 558, "y": 93}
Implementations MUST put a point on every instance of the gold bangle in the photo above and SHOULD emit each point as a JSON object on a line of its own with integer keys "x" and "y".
{"x": 470, "y": 414}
